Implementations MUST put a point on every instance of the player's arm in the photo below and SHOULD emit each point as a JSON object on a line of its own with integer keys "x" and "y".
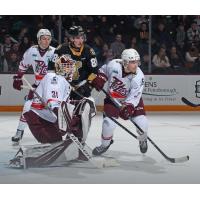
{"x": 92, "y": 64}
{"x": 100, "y": 78}
{"x": 23, "y": 67}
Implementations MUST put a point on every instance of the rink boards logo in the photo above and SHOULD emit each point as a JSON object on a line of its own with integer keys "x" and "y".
{"x": 151, "y": 88}
{"x": 197, "y": 89}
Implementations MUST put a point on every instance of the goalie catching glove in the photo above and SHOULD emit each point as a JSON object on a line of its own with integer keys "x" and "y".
{"x": 126, "y": 111}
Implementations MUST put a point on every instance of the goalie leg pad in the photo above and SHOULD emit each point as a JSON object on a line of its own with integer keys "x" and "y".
{"x": 44, "y": 131}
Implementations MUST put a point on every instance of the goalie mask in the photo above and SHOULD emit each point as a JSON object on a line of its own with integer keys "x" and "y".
{"x": 128, "y": 56}
{"x": 64, "y": 66}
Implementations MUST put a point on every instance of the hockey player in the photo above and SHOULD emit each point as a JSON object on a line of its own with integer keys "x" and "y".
{"x": 45, "y": 120}
{"x": 86, "y": 61}
{"x": 125, "y": 84}
{"x": 53, "y": 89}
{"x": 37, "y": 57}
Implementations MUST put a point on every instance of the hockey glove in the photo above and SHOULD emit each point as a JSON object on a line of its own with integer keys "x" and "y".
{"x": 85, "y": 90}
{"x": 17, "y": 81}
{"x": 126, "y": 111}
{"x": 99, "y": 81}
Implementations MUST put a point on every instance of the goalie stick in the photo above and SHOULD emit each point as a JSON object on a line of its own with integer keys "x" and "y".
{"x": 173, "y": 160}
{"x": 98, "y": 162}
{"x": 189, "y": 103}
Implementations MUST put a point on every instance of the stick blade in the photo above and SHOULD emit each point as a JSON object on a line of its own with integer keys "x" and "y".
{"x": 184, "y": 100}
{"x": 179, "y": 160}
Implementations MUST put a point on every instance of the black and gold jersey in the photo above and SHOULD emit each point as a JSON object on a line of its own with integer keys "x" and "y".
{"x": 86, "y": 61}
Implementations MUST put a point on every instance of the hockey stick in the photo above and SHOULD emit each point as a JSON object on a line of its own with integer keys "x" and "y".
{"x": 29, "y": 86}
{"x": 189, "y": 103}
{"x": 97, "y": 162}
{"x": 173, "y": 160}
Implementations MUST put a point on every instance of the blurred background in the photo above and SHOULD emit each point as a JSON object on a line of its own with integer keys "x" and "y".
{"x": 168, "y": 44}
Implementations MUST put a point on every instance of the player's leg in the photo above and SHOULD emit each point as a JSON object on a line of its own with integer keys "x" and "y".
{"x": 22, "y": 123}
{"x": 44, "y": 131}
{"x": 108, "y": 128}
{"x": 142, "y": 122}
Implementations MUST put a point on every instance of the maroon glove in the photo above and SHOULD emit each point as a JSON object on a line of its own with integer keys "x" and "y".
{"x": 17, "y": 81}
{"x": 126, "y": 111}
{"x": 31, "y": 93}
{"x": 99, "y": 81}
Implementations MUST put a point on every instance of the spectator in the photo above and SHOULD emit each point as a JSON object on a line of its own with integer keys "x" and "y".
{"x": 161, "y": 61}
{"x": 141, "y": 19}
{"x": 107, "y": 54}
{"x": 193, "y": 34}
{"x": 145, "y": 62}
{"x": 181, "y": 36}
{"x": 22, "y": 34}
{"x": 176, "y": 59}
{"x": 97, "y": 46}
{"x": 143, "y": 37}
{"x": 24, "y": 45}
{"x": 13, "y": 62}
{"x": 117, "y": 46}
{"x": 162, "y": 36}
{"x": 191, "y": 55}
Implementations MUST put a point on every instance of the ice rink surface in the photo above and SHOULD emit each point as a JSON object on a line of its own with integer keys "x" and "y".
{"x": 177, "y": 134}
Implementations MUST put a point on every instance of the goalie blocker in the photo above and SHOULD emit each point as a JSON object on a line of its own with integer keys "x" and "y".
{"x": 53, "y": 150}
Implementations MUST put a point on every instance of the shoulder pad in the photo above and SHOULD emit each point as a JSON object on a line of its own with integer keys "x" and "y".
{"x": 35, "y": 46}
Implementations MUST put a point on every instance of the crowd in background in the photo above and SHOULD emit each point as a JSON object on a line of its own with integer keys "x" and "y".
{"x": 175, "y": 40}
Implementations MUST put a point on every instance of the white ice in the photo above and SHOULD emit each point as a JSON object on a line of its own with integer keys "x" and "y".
{"x": 177, "y": 134}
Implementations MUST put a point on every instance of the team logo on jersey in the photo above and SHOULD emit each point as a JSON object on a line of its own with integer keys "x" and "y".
{"x": 54, "y": 80}
{"x": 41, "y": 67}
{"x": 117, "y": 88}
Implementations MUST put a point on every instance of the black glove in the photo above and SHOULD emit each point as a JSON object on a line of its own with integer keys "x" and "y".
{"x": 85, "y": 90}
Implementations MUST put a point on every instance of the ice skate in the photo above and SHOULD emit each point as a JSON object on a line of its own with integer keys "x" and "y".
{"x": 143, "y": 146}
{"x": 97, "y": 151}
{"x": 18, "y": 136}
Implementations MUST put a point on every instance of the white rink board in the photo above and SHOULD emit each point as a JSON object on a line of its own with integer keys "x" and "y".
{"x": 159, "y": 90}
{"x": 9, "y": 96}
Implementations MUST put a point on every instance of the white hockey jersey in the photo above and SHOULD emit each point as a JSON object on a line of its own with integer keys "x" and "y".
{"x": 53, "y": 89}
{"x": 128, "y": 88}
{"x": 39, "y": 63}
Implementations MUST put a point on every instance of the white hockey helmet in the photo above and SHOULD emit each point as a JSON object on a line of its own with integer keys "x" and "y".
{"x": 42, "y": 32}
{"x": 129, "y": 55}
{"x": 64, "y": 66}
